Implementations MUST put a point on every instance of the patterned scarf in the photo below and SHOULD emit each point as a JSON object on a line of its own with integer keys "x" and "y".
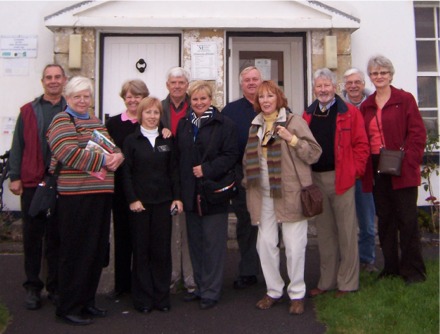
{"x": 197, "y": 122}
{"x": 273, "y": 162}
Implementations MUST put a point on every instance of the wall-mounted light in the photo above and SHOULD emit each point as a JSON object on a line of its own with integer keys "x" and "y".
{"x": 75, "y": 44}
{"x": 331, "y": 51}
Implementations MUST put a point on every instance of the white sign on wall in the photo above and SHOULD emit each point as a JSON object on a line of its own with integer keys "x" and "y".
{"x": 18, "y": 46}
{"x": 204, "y": 61}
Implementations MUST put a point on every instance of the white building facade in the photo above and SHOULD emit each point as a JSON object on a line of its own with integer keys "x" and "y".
{"x": 214, "y": 40}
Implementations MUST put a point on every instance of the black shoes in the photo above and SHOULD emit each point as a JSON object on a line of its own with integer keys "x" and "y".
{"x": 245, "y": 281}
{"x": 33, "y": 299}
{"x": 54, "y": 298}
{"x": 190, "y": 297}
{"x": 143, "y": 309}
{"x": 206, "y": 303}
{"x": 94, "y": 311}
{"x": 75, "y": 320}
{"x": 164, "y": 309}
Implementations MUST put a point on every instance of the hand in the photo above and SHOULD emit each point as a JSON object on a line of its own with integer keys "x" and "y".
{"x": 283, "y": 133}
{"x": 166, "y": 133}
{"x": 137, "y": 206}
{"x": 197, "y": 171}
{"x": 16, "y": 187}
{"x": 179, "y": 206}
{"x": 113, "y": 161}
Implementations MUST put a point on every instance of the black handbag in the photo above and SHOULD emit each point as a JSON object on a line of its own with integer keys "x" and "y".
{"x": 45, "y": 197}
{"x": 390, "y": 161}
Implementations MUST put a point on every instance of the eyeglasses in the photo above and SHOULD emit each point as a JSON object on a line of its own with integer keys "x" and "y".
{"x": 356, "y": 83}
{"x": 78, "y": 98}
{"x": 381, "y": 73}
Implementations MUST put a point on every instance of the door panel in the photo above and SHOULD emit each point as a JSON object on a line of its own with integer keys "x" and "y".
{"x": 120, "y": 56}
{"x": 278, "y": 58}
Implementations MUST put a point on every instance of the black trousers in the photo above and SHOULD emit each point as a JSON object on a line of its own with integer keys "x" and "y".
{"x": 84, "y": 228}
{"x": 246, "y": 236}
{"x": 151, "y": 275}
{"x": 40, "y": 241}
{"x": 398, "y": 228}
{"x": 122, "y": 240}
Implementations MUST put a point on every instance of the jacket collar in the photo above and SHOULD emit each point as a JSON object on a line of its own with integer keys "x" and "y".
{"x": 341, "y": 106}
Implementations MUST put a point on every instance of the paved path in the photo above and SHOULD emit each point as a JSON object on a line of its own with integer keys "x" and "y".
{"x": 235, "y": 312}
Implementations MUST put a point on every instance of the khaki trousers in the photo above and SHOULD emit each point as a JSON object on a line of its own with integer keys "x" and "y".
{"x": 337, "y": 230}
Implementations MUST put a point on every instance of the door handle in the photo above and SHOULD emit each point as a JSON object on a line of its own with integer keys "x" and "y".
{"x": 141, "y": 65}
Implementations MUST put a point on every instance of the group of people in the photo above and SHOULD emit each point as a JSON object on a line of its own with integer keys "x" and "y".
{"x": 152, "y": 180}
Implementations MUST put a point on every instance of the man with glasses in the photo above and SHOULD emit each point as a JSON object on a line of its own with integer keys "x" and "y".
{"x": 339, "y": 129}
{"x": 355, "y": 93}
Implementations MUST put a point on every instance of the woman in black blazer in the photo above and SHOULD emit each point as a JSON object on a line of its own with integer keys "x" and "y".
{"x": 151, "y": 185}
{"x": 207, "y": 147}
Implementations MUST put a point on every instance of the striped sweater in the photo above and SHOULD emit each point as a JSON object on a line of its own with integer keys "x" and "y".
{"x": 67, "y": 144}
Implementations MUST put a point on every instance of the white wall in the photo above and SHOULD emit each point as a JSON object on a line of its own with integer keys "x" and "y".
{"x": 24, "y": 18}
{"x": 387, "y": 28}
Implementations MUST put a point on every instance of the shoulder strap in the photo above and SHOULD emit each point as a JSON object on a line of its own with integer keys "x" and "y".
{"x": 57, "y": 170}
{"x": 293, "y": 163}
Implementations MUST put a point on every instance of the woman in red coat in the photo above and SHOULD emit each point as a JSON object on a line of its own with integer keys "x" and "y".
{"x": 392, "y": 120}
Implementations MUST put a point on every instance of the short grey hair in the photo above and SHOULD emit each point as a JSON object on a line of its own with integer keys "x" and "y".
{"x": 77, "y": 84}
{"x": 177, "y": 71}
{"x": 324, "y": 73}
{"x": 248, "y": 69}
{"x": 380, "y": 61}
{"x": 354, "y": 70}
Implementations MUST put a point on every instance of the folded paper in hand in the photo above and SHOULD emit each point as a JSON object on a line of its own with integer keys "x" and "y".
{"x": 101, "y": 144}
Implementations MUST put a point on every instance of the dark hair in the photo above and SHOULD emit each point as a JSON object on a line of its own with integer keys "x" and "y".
{"x": 272, "y": 87}
{"x": 53, "y": 65}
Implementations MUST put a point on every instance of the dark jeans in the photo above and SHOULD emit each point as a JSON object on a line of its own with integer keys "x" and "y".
{"x": 398, "y": 226}
{"x": 40, "y": 240}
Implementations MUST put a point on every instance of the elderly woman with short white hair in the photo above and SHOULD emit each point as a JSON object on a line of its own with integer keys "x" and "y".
{"x": 84, "y": 203}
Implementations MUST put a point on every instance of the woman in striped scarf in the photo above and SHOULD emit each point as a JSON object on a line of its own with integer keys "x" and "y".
{"x": 279, "y": 142}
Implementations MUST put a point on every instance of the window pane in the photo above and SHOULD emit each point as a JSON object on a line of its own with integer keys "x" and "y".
{"x": 427, "y": 91}
{"x": 431, "y": 125}
{"x": 426, "y": 59}
{"x": 438, "y": 21}
{"x": 424, "y": 22}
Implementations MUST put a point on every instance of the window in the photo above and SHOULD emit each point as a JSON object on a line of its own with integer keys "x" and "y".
{"x": 426, "y": 14}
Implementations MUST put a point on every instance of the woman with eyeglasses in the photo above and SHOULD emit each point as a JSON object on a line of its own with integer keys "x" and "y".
{"x": 85, "y": 187}
{"x": 279, "y": 142}
{"x": 393, "y": 121}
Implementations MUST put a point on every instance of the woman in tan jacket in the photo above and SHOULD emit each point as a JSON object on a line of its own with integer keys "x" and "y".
{"x": 278, "y": 140}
